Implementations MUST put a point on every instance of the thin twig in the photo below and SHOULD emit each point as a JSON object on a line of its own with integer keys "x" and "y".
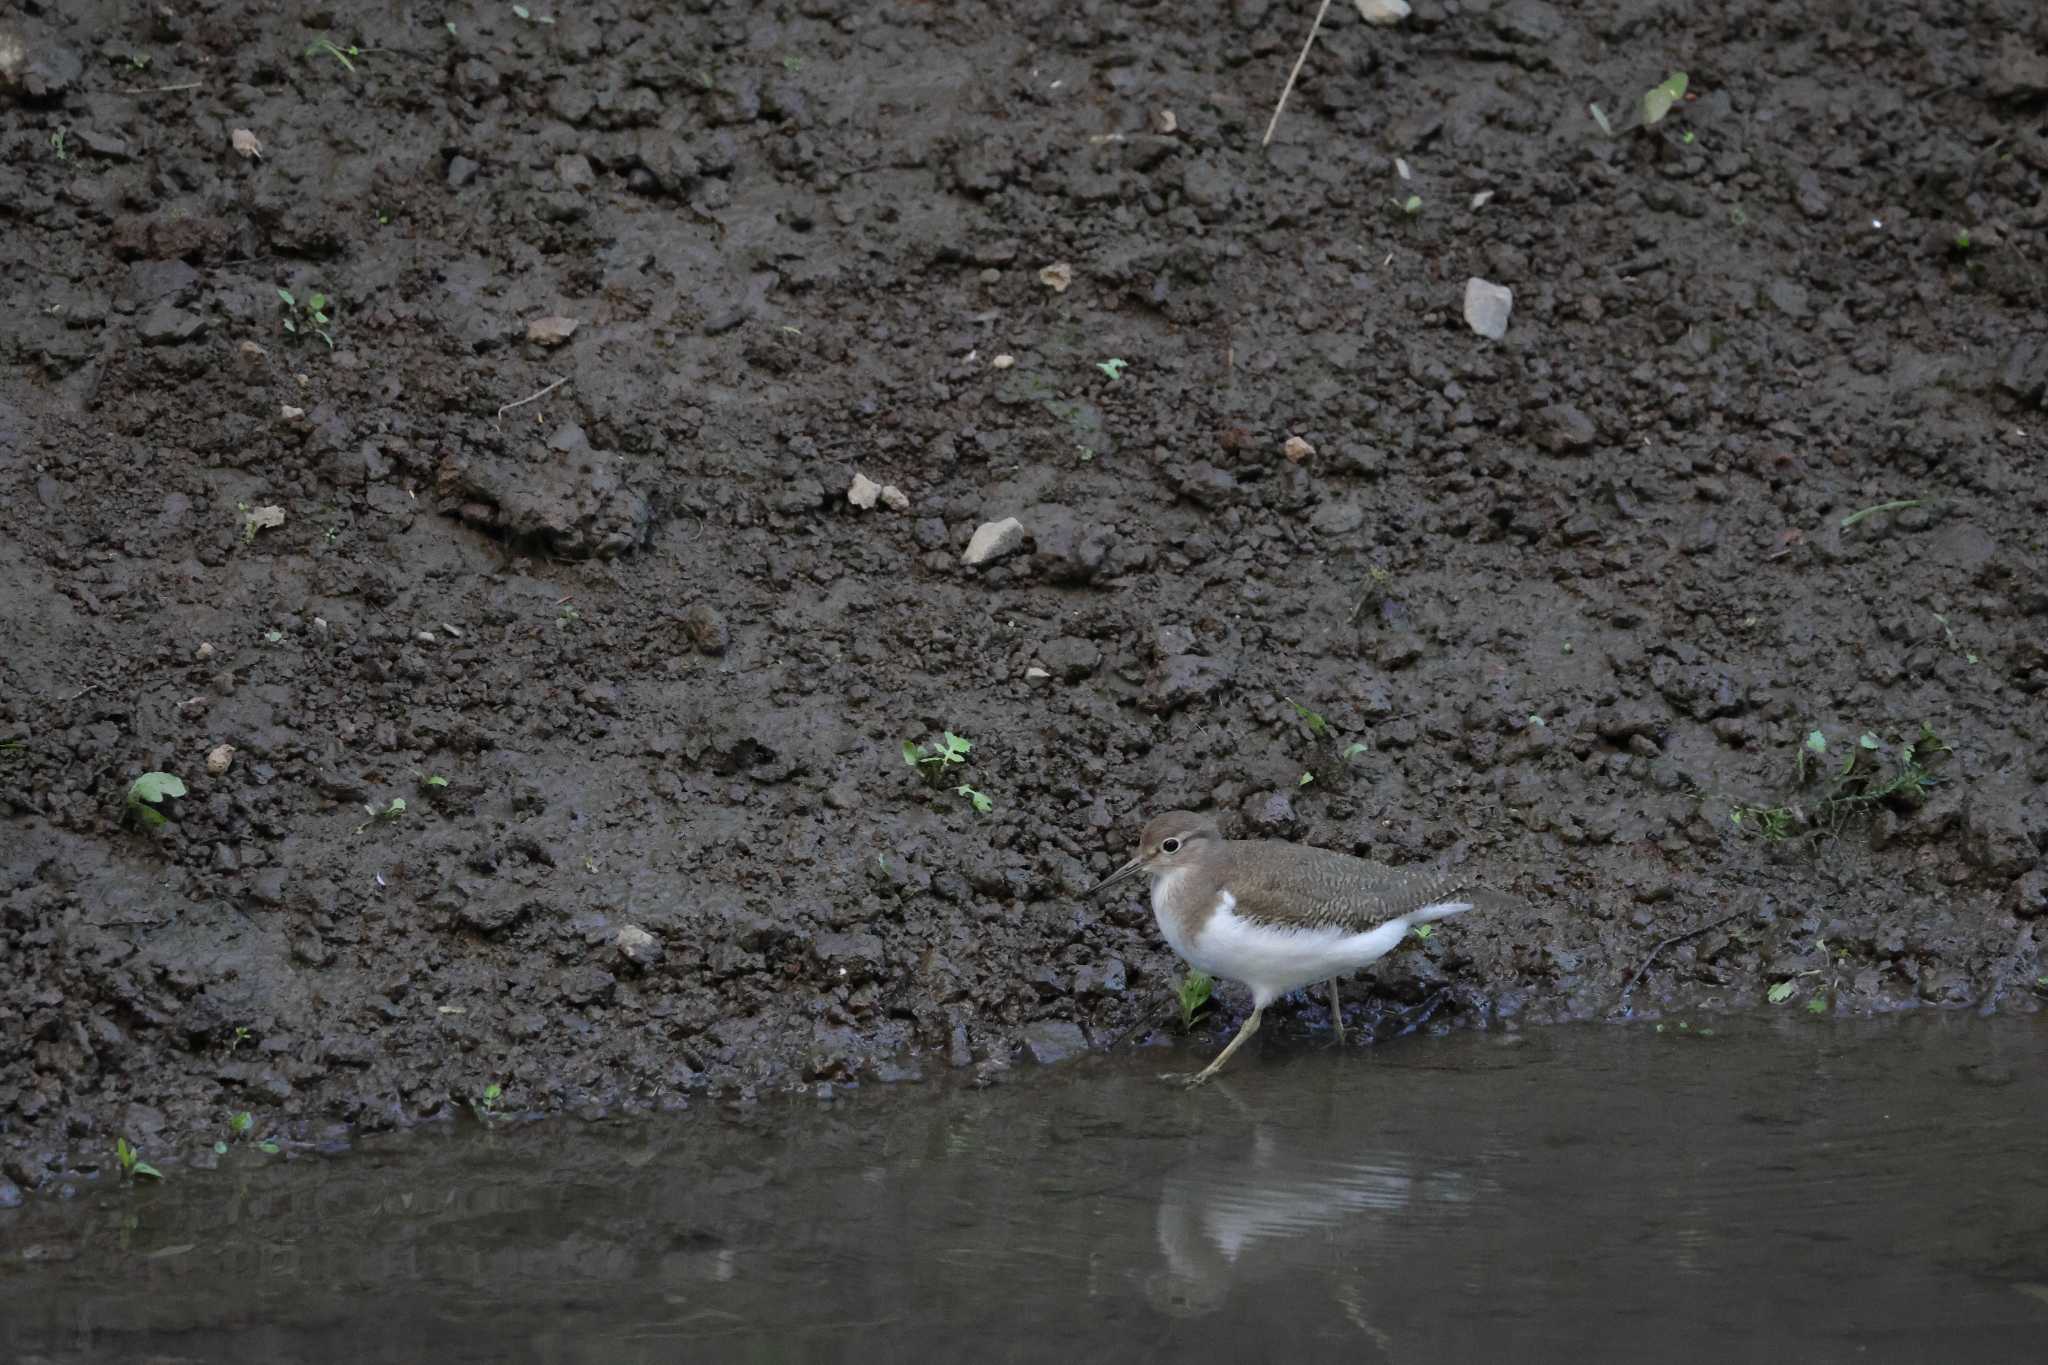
{"x": 156, "y": 89}
{"x": 1313, "y": 29}
{"x": 1643, "y": 970}
{"x": 531, "y": 397}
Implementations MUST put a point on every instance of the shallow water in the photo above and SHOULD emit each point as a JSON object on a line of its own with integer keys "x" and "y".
{"x": 1789, "y": 1189}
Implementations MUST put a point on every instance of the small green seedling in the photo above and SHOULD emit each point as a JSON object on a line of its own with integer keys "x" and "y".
{"x": 982, "y": 804}
{"x": 931, "y": 759}
{"x": 524, "y": 13}
{"x": 1192, "y": 994}
{"x": 485, "y": 1106}
{"x": 1410, "y": 206}
{"x": 1422, "y": 931}
{"x": 1113, "y": 367}
{"x": 146, "y": 792}
{"x": 57, "y": 144}
{"x": 318, "y": 319}
{"x": 1962, "y": 239}
{"x": 1817, "y": 1005}
{"x": 1898, "y": 505}
{"x": 1782, "y": 992}
{"x": 133, "y": 1167}
{"x": 388, "y": 814}
{"x": 435, "y": 780}
{"x": 1305, "y": 779}
{"x": 1658, "y": 99}
{"x": 326, "y": 47}
{"x": 1317, "y": 726}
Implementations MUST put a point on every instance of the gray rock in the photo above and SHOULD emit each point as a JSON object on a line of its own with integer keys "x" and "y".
{"x": 1181, "y": 679}
{"x": 588, "y": 985}
{"x": 637, "y": 946}
{"x": 993, "y": 540}
{"x": 1566, "y": 427}
{"x": 1788, "y": 298}
{"x": 167, "y": 325}
{"x": 267, "y": 886}
{"x": 575, "y": 501}
{"x": 1053, "y": 1040}
{"x": 1069, "y": 549}
{"x": 1337, "y": 518}
{"x": 1107, "y": 977}
{"x": 1069, "y": 659}
{"x": 1487, "y": 307}
{"x": 1269, "y": 812}
{"x": 852, "y": 958}
{"x": 10, "y": 1194}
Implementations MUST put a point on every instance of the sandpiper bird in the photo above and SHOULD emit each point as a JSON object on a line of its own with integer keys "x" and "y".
{"x": 1278, "y": 916}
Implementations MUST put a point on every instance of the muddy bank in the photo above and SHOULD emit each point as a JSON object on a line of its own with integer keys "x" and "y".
{"x": 597, "y": 610}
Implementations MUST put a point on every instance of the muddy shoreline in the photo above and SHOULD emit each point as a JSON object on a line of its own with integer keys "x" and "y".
{"x": 593, "y": 604}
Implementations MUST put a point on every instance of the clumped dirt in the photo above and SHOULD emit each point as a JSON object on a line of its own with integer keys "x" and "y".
{"x": 1580, "y": 595}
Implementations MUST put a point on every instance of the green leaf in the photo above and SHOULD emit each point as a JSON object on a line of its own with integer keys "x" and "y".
{"x": 268, "y": 1146}
{"x": 150, "y": 817}
{"x": 522, "y": 11}
{"x": 1306, "y": 778}
{"x": 1423, "y": 930}
{"x": 1658, "y": 100}
{"x": 220, "y": 1149}
{"x": 1816, "y": 742}
{"x": 242, "y": 1122}
{"x": 144, "y": 1171}
{"x": 124, "y": 1154}
{"x": 316, "y": 302}
{"x": 1354, "y": 749}
{"x": 911, "y": 753}
{"x": 1781, "y": 992}
{"x": 1816, "y": 1006}
{"x": 154, "y": 787}
{"x": 286, "y": 295}
{"x": 1600, "y": 117}
{"x": 492, "y": 1092}
{"x": 1868, "y": 741}
{"x": 1112, "y": 367}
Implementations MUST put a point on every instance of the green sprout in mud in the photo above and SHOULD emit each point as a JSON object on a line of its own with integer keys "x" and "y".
{"x": 1869, "y": 773}
{"x": 1897, "y": 505}
{"x": 1422, "y": 931}
{"x": 1651, "y": 109}
{"x": 524, "y": 13}
{"x": 1962, "y": 239}
{"x": 1325, "y": 739}
{"x": 57, "y": 144}
{"x": 147, "y": 792}
{"x": 982, "y": 804}
{"x": 317, "y": 317}
{"x": 386, "y": 815}
{"x": 434, "y": 780}
{"x": 133, "y": 1167}
{"x": 1192, "y": 994}
{"x": 485, "y": 1105}
{"x": 239, "y": 1127}
{"x": 931, "y": 759}
{"x": 1410, "y": 206}
{"x": 327, "y": 47}
{"x": 1113, "y": 367}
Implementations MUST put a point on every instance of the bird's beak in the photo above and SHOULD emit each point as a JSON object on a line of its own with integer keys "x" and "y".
{"x": 1122, "y": 874}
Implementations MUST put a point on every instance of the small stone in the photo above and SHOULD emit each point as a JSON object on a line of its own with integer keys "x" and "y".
{"x": 1487, "y": 307}
{"x": 864, "y": 491}
{"x": 267, "y": 886}
{"x": 637, "y": 946}
{"x": 1337, "y": 518}
{"x": 894, "y": 498}
{"x": 1566, "y": 427}
{"x": 1787, "y": 297}
{"x": 574, "y": 171}
{"x": 1057, "y": 277}
{"x": 707, "y": 631}
{"x": 461, "y": 170}
{"x": 204, "y": 652}
{"x": 1003, "y": 362}
{"x": 290, "y": 413}
{"x": 1053, "y": 1040}
{"x": 1036, "y": 674}
{"x": 550, "y": 331}
{"x": 10, "y": 1194}
{"x": 1166, "y": 122}
{"x": 246, "y": 143}
{"x": 1382, "y": 12}
{"x": 167, "y": 325}
{"x": 994, "y": 539}
{"x": 1296, "y": 450}
{"x": 219, "y": 758}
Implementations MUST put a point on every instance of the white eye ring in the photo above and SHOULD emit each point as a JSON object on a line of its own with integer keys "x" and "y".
{"x": 1169, "y": 845}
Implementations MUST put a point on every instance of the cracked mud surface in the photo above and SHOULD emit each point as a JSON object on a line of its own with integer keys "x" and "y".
{"x": 1580, "y": 594}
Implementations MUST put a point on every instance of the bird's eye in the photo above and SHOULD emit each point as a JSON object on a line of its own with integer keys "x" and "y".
{"x": 1169, "y": 845}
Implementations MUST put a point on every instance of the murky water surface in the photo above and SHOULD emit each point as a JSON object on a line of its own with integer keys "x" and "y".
{"x": 1778, "y": 1189}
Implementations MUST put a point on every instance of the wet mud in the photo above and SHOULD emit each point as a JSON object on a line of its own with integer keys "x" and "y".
{"x": 615, "y": 306}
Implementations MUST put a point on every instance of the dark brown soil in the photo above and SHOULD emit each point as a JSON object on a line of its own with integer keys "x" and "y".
{"x": 1580, "y": 593}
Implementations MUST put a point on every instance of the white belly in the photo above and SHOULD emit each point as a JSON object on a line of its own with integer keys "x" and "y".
{"x": 1273, "y": 961}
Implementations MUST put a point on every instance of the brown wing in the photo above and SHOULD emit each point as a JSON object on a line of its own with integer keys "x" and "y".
{"x": 1287, "y": 884}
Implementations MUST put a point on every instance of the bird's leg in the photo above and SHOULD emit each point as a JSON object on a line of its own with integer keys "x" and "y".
{"x": 1250, "y": 1027}
{"x": 1336, "y": 1011}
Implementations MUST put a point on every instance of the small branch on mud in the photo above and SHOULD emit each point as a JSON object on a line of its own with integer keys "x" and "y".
{"x": 1642, "y": 971}
{"x": 156, "y": 89}
{"x": 532, "y": 397}
{"x": 90, "y": 687}
{"x": 1313, "y": 29}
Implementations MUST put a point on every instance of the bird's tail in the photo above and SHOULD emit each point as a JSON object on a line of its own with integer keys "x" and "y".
{"x": 1429, "y": 914}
